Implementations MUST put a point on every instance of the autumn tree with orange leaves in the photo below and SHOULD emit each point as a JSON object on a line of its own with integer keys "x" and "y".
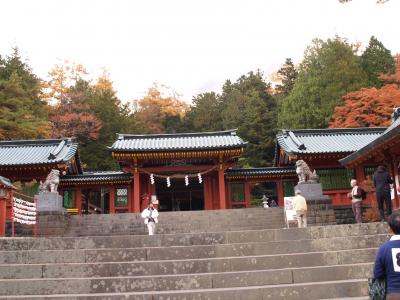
{"x": 159, "y": 112}
{"x": 69, "y": 112}
{"x": 370, "y": 107}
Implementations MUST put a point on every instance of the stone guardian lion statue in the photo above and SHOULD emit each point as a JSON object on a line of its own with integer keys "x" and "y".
{"x": 304, "y": 172}
{"x": 52, "y": 181}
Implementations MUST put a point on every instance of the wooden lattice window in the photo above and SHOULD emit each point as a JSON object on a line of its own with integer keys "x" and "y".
{"x": 369, "y": 171}
{"x": 121, "y": 197}
{"x": 335, "y": 179}
{"x": 237, "y": 191}
{"x": 69, "y": 199}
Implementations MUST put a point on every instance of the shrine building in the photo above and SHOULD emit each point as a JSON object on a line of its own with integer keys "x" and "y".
{"x": 198, "y": 171}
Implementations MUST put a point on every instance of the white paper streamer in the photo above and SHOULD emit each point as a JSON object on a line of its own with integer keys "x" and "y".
{"x": 24, "y": 212}
{"x": 20, "y": 201}
{"x": 152, "y": 178}
{"x": 30, "y": 208}
{"x": 23, "y": 217}
{"x": 24, "y": 222}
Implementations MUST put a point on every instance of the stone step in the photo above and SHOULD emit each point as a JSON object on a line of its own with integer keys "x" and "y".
{"x": 171, "y": 222}
{"x": 183, "y": 282}
{"x": 228, "y": 264}
{"x": 300, "y": 291}
{"x": 142, "y": 229}
{"x": 348, "y": 298}
{"x": 173, "y": 217}
{"x": 191, "y": 252}
{"x": 224, "y": 263}
{"x": 187, "y": 239}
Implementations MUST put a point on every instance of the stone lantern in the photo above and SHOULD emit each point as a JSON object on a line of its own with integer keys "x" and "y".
{"x": 6, "y": 189}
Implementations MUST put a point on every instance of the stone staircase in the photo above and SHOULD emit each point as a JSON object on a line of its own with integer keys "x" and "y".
{"x": 226, "y": 262}
{"x": 178, "y": 222}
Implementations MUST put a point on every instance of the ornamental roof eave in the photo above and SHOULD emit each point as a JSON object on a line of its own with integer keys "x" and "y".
{"x": 97, "y": 177}
{"x": 178, "y": 150}
{"x": 179, "y": 142}
{"x": 392, "y": 132}
{"x": 324, "y": 141}
{"x": 37, "y": 152}
{"x": 261, "y": 172}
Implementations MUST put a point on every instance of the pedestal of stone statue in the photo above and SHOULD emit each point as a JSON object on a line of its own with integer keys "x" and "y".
{"x": 319, "y": 206}
{"x": 52, "y": 216}
{"x": 311, "y": 191}
{"x": 49, "y": 202}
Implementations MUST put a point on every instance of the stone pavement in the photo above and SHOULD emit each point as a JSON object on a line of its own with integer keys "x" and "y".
{"x": 320, "y": 262}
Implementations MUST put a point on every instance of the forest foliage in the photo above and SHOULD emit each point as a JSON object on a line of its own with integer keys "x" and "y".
{"x": 334, "y": 85}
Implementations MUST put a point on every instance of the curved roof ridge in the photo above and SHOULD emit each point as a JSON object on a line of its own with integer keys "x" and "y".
{"x": 334, "y": 130}
{"x": 185, "y": 134}
{"x": 36, "y": 141}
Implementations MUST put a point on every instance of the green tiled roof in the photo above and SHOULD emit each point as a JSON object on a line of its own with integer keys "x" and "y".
{"x": 392, "y": 131}
{"x": 331, "y": 140}
{"x": 257, "y": 172}
{"x": 36, "y": 152}
{"x": 178, "y": 142}
{"x": 98, "y": 176}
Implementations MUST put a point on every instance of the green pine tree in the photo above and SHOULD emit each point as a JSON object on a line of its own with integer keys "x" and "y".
{"x": 287, "y": 74}
{"x": 248, "y": 106}
{"x": 330, "y": 69}
{"x": 377, "y": 60}
{"x": 23, "y": 115}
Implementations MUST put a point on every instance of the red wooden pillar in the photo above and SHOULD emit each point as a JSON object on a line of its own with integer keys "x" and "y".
{"x": 3, "y": 212}
{"x": 279, "y": 186}
{"x": 221, "y": 187}
{"x": 112, "y": 200}
{"x": 136, "y": 192}
{"x": 247, "y": 193}
{"x": 359, "y": 174}
{"x": 78, "y": 203}
{"x": 207, "y": 192}
{"x": 130, "y": 197}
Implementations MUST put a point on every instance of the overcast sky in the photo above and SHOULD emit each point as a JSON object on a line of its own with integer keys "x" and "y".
{"x": 191, "y": 46}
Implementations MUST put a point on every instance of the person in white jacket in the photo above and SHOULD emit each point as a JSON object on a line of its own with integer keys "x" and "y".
{"x": 150, "y": 216}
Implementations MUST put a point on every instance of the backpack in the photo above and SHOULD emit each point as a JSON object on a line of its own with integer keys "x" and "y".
{"x": 363, "y": 194}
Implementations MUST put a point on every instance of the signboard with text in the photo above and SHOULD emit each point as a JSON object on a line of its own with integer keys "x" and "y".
{"x": 290, "y": 213}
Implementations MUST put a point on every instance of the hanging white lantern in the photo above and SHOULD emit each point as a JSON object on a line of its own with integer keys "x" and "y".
{"x": 200, "y": 179}
{"x": 168, "y": 182}
{"x": 186, "y": 180}
{"x": 152, "y": 178}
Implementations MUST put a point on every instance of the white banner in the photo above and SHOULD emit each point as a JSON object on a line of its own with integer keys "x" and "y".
{"x": 290, "y": 213}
